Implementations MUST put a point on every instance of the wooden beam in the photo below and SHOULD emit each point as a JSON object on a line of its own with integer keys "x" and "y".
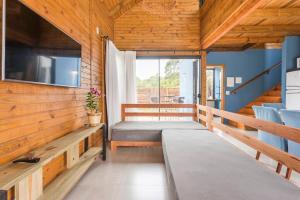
{"x": 287, "y": 132}
{"x": 158, "y": 114}
{"x": 167, "y": 53}
{"x": 222, "y": 16}
{"x": 224, "y": 48}
{"x": 246, "y": 40}
{"x": 248, "y": 46}
{"x": 269, "y": 29}
{"x": 158, "y": 105}
{"x": 275, "y": 12}
{"x": 290, "y": 133}
{"x": 123, "y": 7}
{"x": 116, "y": 144}
{"x": 167, "y": 113}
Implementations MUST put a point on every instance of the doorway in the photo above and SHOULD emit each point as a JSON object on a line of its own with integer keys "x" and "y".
{"x": 215, "y": 92}
{"x": 167, "y": 80}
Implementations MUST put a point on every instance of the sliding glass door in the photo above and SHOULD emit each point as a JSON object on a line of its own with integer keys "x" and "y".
{"x": 169, "y": 81}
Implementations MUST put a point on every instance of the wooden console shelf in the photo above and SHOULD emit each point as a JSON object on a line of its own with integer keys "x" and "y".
{"x": 25, "y": 181}
{"x": 60, "y": 187}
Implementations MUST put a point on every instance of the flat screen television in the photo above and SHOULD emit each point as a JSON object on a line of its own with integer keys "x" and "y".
{"x": 35, "y": 51}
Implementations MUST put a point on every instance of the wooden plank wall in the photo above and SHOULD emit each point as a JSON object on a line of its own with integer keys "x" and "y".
{"x": 32, "y": 115}
{"x": 139, "y": 30}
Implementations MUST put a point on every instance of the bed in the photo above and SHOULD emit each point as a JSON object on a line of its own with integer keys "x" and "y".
{"x": 146, "y": 133}
{"x": 201, "y": 165}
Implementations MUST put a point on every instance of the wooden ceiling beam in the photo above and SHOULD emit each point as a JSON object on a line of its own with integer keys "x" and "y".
{"x": 291, "y": 28}
{"x": 215, "y": 49}
{"x": 247, "y": 40}
{"x": 123, "y": 7}
{"x": 275, "y": 12}
{"x": 248, "y": 46}
{"x": 222, "y": 16}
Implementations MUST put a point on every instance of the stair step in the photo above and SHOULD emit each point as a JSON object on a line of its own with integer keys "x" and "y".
{"x": 272, "y": 96}
{"x": 278, "y": 87}
{"x": 254, "y": 103}
{"x": 274, "y": 93}
{"x": 269, "y": 99}
{"x": 247, "y": 111}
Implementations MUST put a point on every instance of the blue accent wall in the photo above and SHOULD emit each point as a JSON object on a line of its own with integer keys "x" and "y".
{"x": 246, "y": 64}
{"x": 290, "y": 51}
{"x": 272, "y": 57}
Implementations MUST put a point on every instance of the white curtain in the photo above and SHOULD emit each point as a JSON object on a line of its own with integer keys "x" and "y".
{"x": 120, "y": 81}
{"x": 130, "y": 67}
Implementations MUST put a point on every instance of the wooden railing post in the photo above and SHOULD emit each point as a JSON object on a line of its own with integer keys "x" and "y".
{"x": 195, "y": 111}
{"x": 209, "y": 118}
{"x": 283, "y": 158}
{"x": 123, "y": 112}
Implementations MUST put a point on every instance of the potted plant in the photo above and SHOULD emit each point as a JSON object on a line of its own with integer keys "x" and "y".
{"x": 92, "y": 104}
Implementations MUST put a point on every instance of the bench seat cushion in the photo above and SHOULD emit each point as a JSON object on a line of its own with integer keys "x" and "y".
{"x": 202, "y": 165}
{"x": 146, "y": 130}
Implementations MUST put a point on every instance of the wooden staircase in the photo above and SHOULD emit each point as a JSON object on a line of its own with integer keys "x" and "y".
{"x": 271, "y": 96}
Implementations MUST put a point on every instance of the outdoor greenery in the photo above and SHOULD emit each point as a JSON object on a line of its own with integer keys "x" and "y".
{"x": 169, "y": 80}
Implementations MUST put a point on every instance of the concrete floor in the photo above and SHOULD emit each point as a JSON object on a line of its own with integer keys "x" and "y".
{"x": 128, "y": 174}
{"x": 139, "y": 174}
{"x": 270, "y": 163}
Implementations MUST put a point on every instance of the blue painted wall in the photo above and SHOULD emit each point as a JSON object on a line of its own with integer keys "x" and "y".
{"x": 290, "y": 51}
{"x": 272, "y": 57}
{"x": 246, "y": 64}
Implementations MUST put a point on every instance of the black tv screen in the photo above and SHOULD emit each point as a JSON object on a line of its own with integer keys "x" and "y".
{"x": 36, "y": 51}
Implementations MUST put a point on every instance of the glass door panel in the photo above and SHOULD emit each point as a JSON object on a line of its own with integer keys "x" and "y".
{"x": 147, "y": 81}
{"x": 167, "y": 81}
{"x": 178, "y": 80}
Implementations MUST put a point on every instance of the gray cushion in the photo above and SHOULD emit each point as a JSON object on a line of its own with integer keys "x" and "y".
{"x": 148, "y": 131}
{"x": 201, "y": 165}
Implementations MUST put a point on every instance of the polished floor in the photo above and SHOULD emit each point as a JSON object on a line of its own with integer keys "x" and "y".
{"x": 139, "y": 174}
{"x": 268, "y": 162}
{"x": 129, "y": 174}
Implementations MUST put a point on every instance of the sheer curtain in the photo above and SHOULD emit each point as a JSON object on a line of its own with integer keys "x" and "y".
{"x": 120, "y": 81}
{"x": 130, "y": 67}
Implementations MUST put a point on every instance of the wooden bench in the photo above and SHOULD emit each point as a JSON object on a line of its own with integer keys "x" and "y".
{"x": 148, "y": 133}
{"x": 62, "y": 163}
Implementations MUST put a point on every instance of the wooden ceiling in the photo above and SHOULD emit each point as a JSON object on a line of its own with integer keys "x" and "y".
{"x": 118, "y": 7}
{"x": 264, "y": 27}
{"x": 139, "y": 29}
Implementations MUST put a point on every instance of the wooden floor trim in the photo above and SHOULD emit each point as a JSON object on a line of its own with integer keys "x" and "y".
{"x": 115, "y": 144}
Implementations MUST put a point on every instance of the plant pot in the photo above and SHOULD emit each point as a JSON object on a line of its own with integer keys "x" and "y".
{"x": 94, "y": 119}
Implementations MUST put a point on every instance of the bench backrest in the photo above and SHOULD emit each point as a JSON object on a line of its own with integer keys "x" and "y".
{"x": 161, "y": 110}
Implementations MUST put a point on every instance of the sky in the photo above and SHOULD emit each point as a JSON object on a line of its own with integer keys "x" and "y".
{"x": 146, "y": 68}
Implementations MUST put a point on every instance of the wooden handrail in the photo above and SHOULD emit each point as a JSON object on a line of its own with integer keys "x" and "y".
{"x": 267, "y": 71}
{"x": 125, "y": 113}
{"x": 293, "y": 134}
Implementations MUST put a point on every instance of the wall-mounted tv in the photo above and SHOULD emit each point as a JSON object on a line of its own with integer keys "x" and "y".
{"x": 35, "y": 51}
